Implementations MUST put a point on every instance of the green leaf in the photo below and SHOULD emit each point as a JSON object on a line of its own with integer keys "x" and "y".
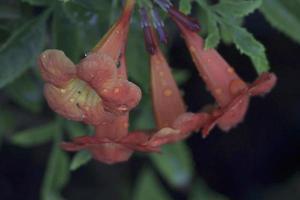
{"x": 185, "y": 6}
{"x": 238, "y": 8}
{"x": 201, "y": 191}
{"x": 38, "y": 2}
{"x": 225, "y": 34}
{"x": 149, "y": 188}
{"x": 91, "y": 18}
{"x": 9, "y": 12}
{"x": 81, "y": 158}
{"x": 75, "y": 129}
{"x": 248, "y": 45}
{"x": 144, "y": 119}
{"x": 138, "y": 71}
{"x": 7, "y": 123}
{"x": 66, "y": 34}
{"x": 175, "y": 164}
{"x": 26, "y": 92}
{"x": 21, "y": 49}
{"x": 213, "y": 37}
{"x": 35, "y": 136}
{"x": 181, "y": 75}
{"x": 57, "y": 173}
{"x": 224, "y": 19}
{"x": 137, "y": 58}
{"x": 283, "y": 15}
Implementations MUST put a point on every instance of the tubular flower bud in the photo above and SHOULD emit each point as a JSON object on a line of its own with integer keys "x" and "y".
{"x": 230, "y": 91}
{"x": 97, "y": 91}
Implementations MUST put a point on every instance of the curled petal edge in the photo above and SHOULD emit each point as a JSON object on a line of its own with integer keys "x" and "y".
{"x": 229, "y": 116}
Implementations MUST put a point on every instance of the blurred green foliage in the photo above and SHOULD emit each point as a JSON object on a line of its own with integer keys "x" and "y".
{"x": 27, "y": 27}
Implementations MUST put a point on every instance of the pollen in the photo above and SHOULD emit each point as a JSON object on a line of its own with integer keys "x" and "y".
{"x": 161, "y": 73}
{"x": 63, "y": 91}
{"x": 168, "y": 92}
{"x": 72, "y": 100}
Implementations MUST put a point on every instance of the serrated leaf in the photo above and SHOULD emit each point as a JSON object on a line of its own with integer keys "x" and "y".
{"x": 175, "y": 164}
{"x": 213, "y": 37}
{"x": 26, "y": 92}
{"x": 238, "y": 8}
{"x": 57, "y": 173}
{"x": 248, "y": 45}
{"x": 149, "y": 188}
{"x": 283, "y": 15}
{"x": 81, "y": 158}
{"x": 185, "y": 6}
{"x": 201, "y": 191}
{"x": 20, "y": 51}
{"x": 225, "y": 34}
{"x": 35, "y": 136}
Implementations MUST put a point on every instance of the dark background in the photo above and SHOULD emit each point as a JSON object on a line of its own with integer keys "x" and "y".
{"x": 260, "y": 159}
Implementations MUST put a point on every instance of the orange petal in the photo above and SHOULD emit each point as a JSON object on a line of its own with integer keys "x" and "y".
{"x": 112, "y": 43}
{"x": 122, "y": 97}
{"x": 77, "y": 101}
{"x": 97, "y": 69}
{"x": 56, "y": 68}
{"x": 263, "y": 84}
{"x": 167, "y": 101}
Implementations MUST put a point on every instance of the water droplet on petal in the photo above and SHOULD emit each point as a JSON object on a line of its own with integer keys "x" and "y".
{"x": 123, "y": 108}
{"x": 168, "y": 92}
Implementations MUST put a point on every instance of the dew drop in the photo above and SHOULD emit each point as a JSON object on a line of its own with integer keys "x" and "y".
{"x": 230, "y": 70}
{"x": 116, "y": 90}
{"x": 168, "y": 92}
{"x": 161, "y": 73}
{"x": 123, "y": 108}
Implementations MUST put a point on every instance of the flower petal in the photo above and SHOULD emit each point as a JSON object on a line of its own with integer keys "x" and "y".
{"x": 77, "y": 101}
{"x": 56, "y": 68}
{"x": 106, "y": 151}
{"x": 263, "y": 84}
{"x": 122, "y": 97}
{"x": 114, "y": 40}
{"x": 167, "y": 100}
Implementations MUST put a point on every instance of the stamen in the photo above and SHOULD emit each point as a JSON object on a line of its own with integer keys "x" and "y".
{"x": 146, "y": 26}
{"x": 164, "y": 4}
{"x": 159, "y": 26}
